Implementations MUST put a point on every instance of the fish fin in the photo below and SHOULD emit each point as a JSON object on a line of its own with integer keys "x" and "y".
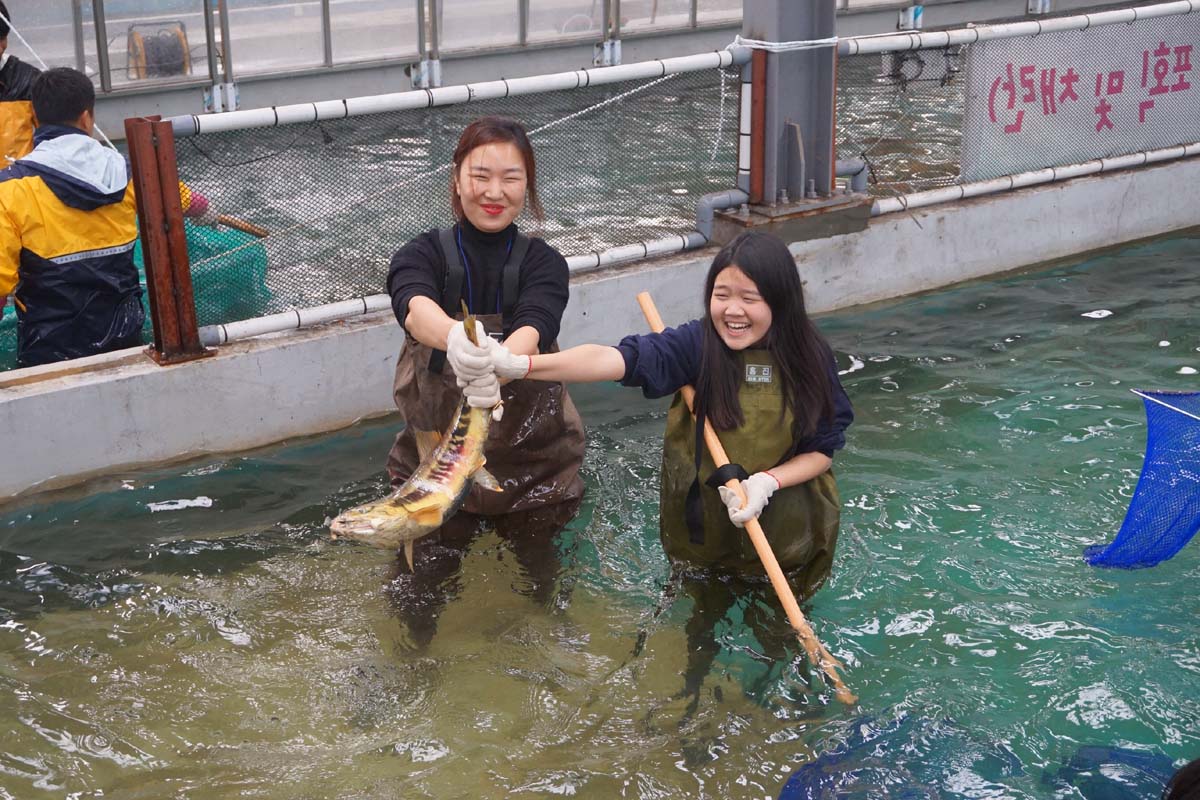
{"x": 426, "y": 442}
{"x": 486, "y": 479}
{"x": 408, "y": 551}
{"x": 430, "y": 516}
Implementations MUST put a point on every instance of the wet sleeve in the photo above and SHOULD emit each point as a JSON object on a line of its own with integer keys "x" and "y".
{"x": 543, "y": 292}
{"x": 413, "y": 273}
{"x": 830, "y": 435}
{"x": 662, "y": 363}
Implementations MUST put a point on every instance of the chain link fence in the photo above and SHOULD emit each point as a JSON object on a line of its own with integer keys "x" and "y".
{"x": 616, "y": 164}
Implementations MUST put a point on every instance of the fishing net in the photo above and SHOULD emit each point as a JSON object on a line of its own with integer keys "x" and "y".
{"x": 229, "y": 274}
{"x": 617, "y": 164}
{"x": 1165, "y": 511}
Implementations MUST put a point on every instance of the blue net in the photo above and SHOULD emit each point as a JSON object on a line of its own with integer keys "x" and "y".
{"x": 1165, "y": 511}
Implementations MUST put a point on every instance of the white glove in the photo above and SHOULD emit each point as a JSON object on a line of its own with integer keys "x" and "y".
{"x": 482, "y": 392}
{"x": 469, "y": 362}
{"x": 508, "y": 364}
{"x": 758, "y": 489}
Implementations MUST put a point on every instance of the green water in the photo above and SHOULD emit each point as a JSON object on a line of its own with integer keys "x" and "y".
{"x": 232, "y": 650}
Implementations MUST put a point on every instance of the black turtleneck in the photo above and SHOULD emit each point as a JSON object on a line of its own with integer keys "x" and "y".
{"x": 419, "y": 270}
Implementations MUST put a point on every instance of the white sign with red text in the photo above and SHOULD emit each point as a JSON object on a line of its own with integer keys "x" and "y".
{"x": 1068, "y": 97}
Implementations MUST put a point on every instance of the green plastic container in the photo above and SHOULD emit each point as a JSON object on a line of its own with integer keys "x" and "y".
{"x": 229, "y": 282}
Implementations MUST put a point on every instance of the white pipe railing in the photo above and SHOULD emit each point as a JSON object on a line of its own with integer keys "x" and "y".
{"x": 962, "y": 191}
{"x": 916, "y": 40}
{"x": 191, "y": 124}
{"x": 215, "y": 335}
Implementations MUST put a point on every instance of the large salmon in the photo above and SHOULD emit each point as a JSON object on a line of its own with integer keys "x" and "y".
{"x": 450, "y": 464}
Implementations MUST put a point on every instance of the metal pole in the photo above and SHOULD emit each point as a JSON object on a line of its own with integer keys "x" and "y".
{"x": 226, "y": 42}
{"x": 164, "y": 244}
{"x": 210, "y": 40}
{"x": 101, "y": 45}
{"x": 327, "y": 32}
{"x": 77, "y": 22}
{"x": 693, "y": 15}
{"x": 421, "y": 30}
{"x": 434, "y": 33}
{"x": 800, "y": 86}
{"x": 523, "y": 17}
{"x": 616, "y": 21}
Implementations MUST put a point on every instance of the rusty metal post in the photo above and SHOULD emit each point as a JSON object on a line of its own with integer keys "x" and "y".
{"x": 758, "y": 123}
{"x": 164, "y": 241}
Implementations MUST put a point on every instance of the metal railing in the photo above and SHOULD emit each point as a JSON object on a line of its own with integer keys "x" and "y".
{"x": 117, "y": 42}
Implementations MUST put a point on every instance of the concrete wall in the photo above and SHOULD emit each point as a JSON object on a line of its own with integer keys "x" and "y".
{"x": 63, "y": 423}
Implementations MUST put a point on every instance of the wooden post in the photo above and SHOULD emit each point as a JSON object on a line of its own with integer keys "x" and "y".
{"x": 164, "y": 241}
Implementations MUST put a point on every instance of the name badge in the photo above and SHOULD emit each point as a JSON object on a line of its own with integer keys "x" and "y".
{"x": 758, "y": 373}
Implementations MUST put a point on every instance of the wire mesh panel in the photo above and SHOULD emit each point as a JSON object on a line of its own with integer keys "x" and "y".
{"x": 971, "y": 112}
{"x": 1072, "y": 96}
{"x": 902, "y": 113}
{"x": 616, "y": 165}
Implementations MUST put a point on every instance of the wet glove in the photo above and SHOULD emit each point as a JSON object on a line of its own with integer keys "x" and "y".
{"x": 482, "y": 392}
{"x": 507, "y": 363}
{"x": 470, "y": 362}
{"x": 758, "y": 489}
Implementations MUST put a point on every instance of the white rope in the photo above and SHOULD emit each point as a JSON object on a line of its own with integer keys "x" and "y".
{"x": 1145, "y": 396}
{"x": 13, "y": 28}
{"x": 782, "y": 47}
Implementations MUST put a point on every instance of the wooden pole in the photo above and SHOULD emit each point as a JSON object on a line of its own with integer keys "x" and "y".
{"x": 243, "y": 226}
{"x": 817, "y": 654}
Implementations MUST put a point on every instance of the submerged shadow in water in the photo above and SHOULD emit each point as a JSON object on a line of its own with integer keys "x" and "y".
{"x": 418, "y": 596}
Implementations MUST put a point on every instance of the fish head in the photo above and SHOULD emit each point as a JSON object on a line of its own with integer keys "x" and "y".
{"x": 378, "y": 524}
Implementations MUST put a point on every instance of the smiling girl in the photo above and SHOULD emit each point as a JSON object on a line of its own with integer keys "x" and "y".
{"x": 767, "y": 381}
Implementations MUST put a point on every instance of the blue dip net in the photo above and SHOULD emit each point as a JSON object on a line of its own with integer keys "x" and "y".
{"x": 1165, "y": 511}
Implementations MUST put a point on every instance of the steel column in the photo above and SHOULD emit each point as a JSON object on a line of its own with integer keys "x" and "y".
{"x": 101, "y": 45}
{"x": 155, "y": 178}
{"x": 798, "y": 122}
{"x": 327, "y": 32}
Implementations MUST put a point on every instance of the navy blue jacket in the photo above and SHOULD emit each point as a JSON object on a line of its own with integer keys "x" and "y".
{"x": 663, "y": 363}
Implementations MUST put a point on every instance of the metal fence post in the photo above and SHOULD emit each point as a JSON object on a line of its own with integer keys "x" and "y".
{"x": 77, "y": 24}
{"x": 101, "y": 45}
{"x": 327, "y": 32}
{"x": 523, "y": 22}
{"x": 151, "y": 145}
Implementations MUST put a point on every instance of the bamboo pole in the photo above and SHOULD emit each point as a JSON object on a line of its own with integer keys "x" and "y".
{"x": 817, "y": 654}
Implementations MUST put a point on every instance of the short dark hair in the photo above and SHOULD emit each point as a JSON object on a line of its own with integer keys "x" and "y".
{"x": 61, "y": 95}
{"x": 4, "y": 22}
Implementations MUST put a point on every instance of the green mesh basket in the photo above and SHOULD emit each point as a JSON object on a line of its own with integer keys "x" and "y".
{"x": 229, "y": 282}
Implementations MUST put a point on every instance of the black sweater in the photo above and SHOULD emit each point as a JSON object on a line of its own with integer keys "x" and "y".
{"x": 419, "y": 270}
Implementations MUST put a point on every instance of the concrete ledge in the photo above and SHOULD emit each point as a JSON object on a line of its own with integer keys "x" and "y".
{"x": 62, "y": 424}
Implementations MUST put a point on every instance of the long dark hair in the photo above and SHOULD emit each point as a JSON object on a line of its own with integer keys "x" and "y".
{"x": 491, "y": 130}
{"x": 801, "y": 354}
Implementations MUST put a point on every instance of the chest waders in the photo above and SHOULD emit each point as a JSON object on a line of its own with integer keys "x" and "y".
{"x": 534, "y": 452}
{"x": 800, "y": 522}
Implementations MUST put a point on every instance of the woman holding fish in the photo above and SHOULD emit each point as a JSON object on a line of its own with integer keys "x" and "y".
{"x": 516, "y": 287}
{"x": 767, "y": 381}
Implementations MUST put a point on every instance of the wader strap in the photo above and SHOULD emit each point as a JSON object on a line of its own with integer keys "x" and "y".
{"x": 722, "y": 475}
{"x": 510, "y": 280}
{"x": 693, "y": 506}
{"x": 451, "y": 289}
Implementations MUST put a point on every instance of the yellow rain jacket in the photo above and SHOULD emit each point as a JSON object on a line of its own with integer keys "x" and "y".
{"x": 68, "y": 224}
{"x": 16, "y": 112}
